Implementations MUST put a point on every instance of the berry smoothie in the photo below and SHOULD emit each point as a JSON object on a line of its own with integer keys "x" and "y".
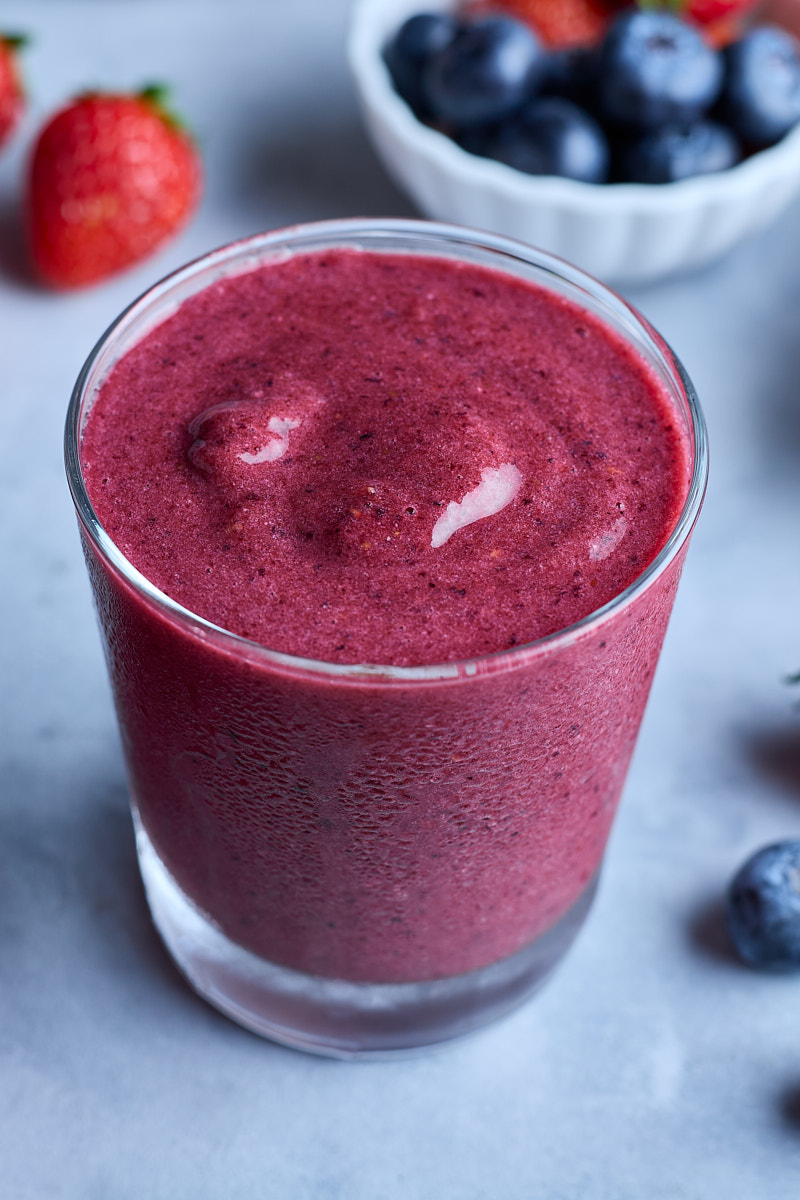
{"x": 359, "y": 457}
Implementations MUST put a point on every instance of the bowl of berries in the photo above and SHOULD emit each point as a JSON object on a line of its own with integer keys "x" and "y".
{"x": 636, "y": 140}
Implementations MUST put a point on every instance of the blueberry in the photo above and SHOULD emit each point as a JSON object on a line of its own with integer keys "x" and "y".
{"x": 551, "y": 136}
{"x": 476, "y": 139}
{"x": 656, "y": 70}
{"x": 680, "y": 152}
{"x": 761, "y": 97}
{"x": 485, "y": 73}
{"x": 763, "y": 908}
{"x": 412, "y": 47}
{"x": 572, "y": 74}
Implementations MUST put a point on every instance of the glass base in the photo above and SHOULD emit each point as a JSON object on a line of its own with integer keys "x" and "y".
{"x": 334, "y": 1017}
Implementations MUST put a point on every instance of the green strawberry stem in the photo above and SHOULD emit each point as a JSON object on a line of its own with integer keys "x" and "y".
{"x": 673, "y": 5}
{"x": 16, "y": 41}
{"x": 158, "y": 96}
{"x": 156, "y": 93}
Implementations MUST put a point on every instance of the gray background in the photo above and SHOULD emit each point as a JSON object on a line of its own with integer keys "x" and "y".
{"x": 652, "y": 1066}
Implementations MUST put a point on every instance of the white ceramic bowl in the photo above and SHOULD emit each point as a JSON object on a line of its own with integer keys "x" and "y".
{"x": 628, "y": 233}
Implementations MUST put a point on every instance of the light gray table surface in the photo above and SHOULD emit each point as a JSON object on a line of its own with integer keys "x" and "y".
{"x": 652, "y": 1066}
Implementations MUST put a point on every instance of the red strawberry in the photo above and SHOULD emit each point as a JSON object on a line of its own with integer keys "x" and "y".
{"x": 112, "y": 177}
{"x": 722, "y": 32}
{"x": 721, "y": 21}
{"x": 12, "y": 96}
{"x": 561, "y": 23}
{"x": 708, "y": 12}
{"x": 783, "y": 12}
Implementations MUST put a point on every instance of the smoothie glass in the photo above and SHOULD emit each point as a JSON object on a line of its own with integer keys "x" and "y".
{"x": 360, "y": 860}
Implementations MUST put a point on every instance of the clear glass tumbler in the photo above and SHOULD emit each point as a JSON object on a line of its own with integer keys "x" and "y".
{"x": 360, "y": 860}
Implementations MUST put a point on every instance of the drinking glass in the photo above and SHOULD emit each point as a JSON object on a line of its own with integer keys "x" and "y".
{"x": 364, "y": 859}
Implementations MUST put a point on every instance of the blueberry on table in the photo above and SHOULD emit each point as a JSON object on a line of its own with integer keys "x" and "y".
{"x": 412, "y": 47}
{"x": 656, "y": 70}
{"x": 485, "y": 73}
{"x": 761, "y": 97}
{"x": 551, "y": 136}
{"x": 680, "y": 152}
{"x": 763, "y": 908}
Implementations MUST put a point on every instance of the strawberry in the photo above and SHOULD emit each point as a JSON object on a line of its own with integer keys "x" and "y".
{"x": 708, "y": 12}
{"x": 721, "y": 19}
{"x": 722, "y": 32}
{"x": 783, "y": 12}
{"x": 112, "y": 177}
{"x": 12, "y": 96}
{"x": 561, "y": 23}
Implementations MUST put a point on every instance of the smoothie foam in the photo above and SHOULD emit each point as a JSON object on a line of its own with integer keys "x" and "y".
{"x": 314, "y": 446}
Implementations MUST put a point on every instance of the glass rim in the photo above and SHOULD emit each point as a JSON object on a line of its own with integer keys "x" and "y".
{"x": 356, "y": 231}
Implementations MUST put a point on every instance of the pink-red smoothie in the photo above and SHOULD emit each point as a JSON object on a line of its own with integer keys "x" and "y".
{"x": 357, "y": 457}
